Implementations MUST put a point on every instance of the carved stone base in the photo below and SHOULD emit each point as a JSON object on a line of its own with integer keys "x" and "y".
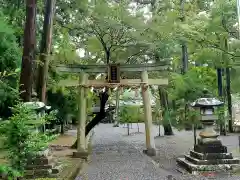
{"x": 83, "y": 155}
{"x": 198, "y": 169}
{"x": 210, "y": 148}
{"x": 150, "y": 152}
{"x": 196, "y": 162}
{"x": 211, "y": 161}
{"x": 210, "y": 156}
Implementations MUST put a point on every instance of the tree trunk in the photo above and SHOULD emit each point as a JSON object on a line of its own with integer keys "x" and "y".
{"x": 220, "y": 94}
{"x": 45, "y": 50}
{"x": 107, "y": 52}
{"x": 159, "y": 128}
{"x": 128, "y": 129}
{"x": 184, "y": 58}
{"x": 229, "y": 99}
{"x": 184, "y": 46}
{"x": 195, "y": 134}
{"x": 138, "y": 127}
{"x": 163, "y": 99}
{"x": 188, "y": 126}
{"x": 99, "y": 116}
{"x": 26, "y": 77}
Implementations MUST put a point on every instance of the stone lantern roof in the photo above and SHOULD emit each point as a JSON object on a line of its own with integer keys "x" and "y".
{"x": 37, "y": 106}
{"x": 206, "y": 102}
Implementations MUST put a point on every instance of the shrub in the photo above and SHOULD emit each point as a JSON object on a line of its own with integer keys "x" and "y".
{"x": 7, "y": 172}
{"x": 20, "y": 138}
{"x": 131, "y": 114}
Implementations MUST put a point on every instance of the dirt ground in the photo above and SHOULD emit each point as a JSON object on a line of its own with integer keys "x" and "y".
{"x": 64, "y": 140}
{"x": 2, "y": 153}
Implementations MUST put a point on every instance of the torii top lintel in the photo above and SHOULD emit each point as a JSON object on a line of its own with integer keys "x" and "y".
{"x": 102, "y": 68}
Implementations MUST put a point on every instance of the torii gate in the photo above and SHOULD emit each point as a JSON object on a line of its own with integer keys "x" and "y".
{"x": 113, "y": 81}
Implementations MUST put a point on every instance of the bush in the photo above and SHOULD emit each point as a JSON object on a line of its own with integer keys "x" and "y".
{"x": 131, "y": 114}
{"x": 20, "y": 138}
{"x": 66, "y": 101}
{"x": 9, "y": 173}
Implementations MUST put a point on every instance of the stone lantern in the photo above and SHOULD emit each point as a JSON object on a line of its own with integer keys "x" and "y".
{"x": 39, "y": 108}
{"x": 208, "y": 154}
{"x": 208, "y": 141}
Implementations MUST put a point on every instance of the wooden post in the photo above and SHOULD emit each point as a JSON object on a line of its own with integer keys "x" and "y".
{"x": 150, "y": 144}
{"x": 82, "y": 115}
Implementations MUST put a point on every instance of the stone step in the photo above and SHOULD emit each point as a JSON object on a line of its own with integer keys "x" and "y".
{"x": 195, "y": 169}
{"x": 40, "y": 160}
{"x": 211, "y": 161}
{"x": 45, "y": 166}
{"x": 38, "y": 173}
{"x": 209, "y": 156}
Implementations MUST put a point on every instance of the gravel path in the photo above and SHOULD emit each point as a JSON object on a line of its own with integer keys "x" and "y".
{"x": 117, "y": 156}
{"x": 115, "y": 159}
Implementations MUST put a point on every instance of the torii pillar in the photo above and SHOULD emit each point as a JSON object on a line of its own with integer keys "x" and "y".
{"x": 82, "y": 117}
{"x": 150, "y": 144}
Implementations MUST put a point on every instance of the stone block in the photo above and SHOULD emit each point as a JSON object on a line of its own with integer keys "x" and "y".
{"x": 150, "y": 152}
{"x": 211, "y": 161}
{"x": 57, "y": 169}
{"x": 210, "y": 156}
{"x": 83, "y": 155}
{"x": 40, "y": 160}
{"x": 42, "y": 172}
{"x": 44, "y": 153}
{"x": 209, "y": 141}
{"x": 38, "y": 173}
{"x": 29, "y": 172}
{"x": 209, "y": 148}
{"x": 196, "y": 169}
{"x": 32, "y": 167}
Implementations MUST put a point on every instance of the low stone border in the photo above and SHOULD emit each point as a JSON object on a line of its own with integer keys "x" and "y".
{"x": 71, "y": 170}
{"x": 77, "y": 164}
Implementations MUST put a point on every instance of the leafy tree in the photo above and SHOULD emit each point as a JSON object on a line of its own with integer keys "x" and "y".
{"x": 109, "y": 31}
{"x": 9, "y": 51}
{"x": 10, "y": 59}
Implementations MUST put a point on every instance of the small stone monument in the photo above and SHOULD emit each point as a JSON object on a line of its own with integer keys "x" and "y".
{"x": 209, "y": 154}
{"x": 42, "y": 164}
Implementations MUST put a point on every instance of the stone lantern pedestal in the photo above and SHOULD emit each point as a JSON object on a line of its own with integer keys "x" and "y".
{"x": 208, "y": 154}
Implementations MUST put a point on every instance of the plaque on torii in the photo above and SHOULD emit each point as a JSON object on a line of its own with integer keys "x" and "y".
{"x": 114, "y": 73}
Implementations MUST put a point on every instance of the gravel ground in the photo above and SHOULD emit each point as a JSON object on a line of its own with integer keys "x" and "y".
{"x": 171, "y": 147}
{"x": 117, "y": 156}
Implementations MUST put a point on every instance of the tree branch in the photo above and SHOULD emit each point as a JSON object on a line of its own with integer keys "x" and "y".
{"x": 224, "y": 25}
